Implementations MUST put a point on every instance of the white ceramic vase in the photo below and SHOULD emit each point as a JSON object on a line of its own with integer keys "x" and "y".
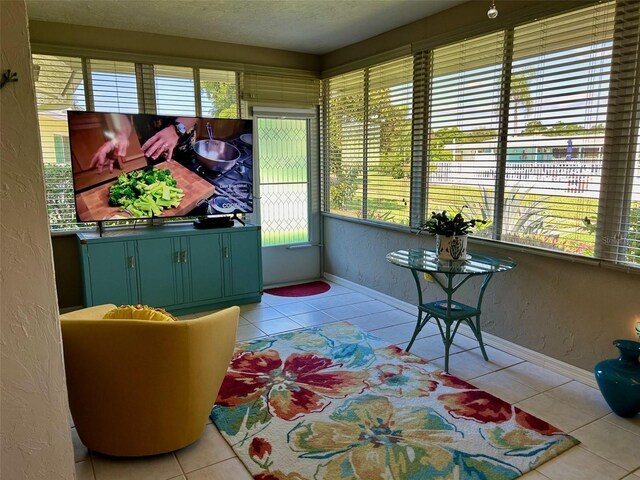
{"x": 451, "y": 248}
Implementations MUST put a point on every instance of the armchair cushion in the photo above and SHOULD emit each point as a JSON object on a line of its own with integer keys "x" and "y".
{"x": 139, "y": 312}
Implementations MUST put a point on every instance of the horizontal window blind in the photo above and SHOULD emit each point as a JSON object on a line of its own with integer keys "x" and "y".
{"x": 279, "y": 90}
{"x": 369, "y": 142}
{"x": 346, "y": 115}
{"x": 557, "y": 120}
{"x": 534, "y": 128}
{"x": 70, "y": 83}
{"x": 218, "y": 93}
{"x": 464, "y": 124}
{"x": 59, "y": 87}
{"x": 114, "y": 86}
{"x": 175, "y": 92}
{"x": 618, "y": 225}
{"x": 388, "y": 141}
{"x": 631, "y": 252}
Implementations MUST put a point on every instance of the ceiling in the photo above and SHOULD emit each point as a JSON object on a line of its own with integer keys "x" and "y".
{"x": 309, "y": 26}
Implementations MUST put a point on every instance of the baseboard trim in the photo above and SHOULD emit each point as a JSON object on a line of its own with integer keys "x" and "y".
{"x": 570, "y": 371}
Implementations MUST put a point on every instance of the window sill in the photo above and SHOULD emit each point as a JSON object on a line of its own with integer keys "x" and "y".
{"x": 69, "y": 233}
{"x": 499, "y": 246}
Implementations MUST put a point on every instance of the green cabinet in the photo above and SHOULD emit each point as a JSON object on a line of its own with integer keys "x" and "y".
{"x": 203, "y": 267}
{"x": 156, "y": 267}
{"x": 175, "y": 267}
{"x": 114, "y": 279}
{"x": 241, "y": 257}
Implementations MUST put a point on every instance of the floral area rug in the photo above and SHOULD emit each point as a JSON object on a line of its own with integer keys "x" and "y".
{"x": 335, "y": 402}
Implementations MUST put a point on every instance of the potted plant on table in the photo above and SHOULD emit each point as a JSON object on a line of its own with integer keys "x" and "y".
{"x": 451, "y": 233}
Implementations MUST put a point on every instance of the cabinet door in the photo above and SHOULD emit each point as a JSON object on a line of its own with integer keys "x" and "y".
{"x": 157, "y": 272}
{"x": 112, "y": 273}
{"x": 203, "y": 267}
{"x": 245, "y": 271}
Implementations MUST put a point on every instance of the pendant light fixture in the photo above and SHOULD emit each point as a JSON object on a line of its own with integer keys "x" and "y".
{"x": 493, "y": 11}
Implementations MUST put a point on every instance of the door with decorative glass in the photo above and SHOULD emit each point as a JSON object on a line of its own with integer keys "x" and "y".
{"x": 288, "y": 183}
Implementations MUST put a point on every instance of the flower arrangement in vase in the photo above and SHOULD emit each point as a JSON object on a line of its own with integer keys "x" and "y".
{"x": 451, "y": 233}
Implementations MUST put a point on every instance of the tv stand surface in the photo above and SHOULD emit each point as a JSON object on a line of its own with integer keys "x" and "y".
{"x": 176, "y": 267}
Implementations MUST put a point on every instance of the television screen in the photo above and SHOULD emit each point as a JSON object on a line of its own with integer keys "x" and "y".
{"x": 141, "y": 166}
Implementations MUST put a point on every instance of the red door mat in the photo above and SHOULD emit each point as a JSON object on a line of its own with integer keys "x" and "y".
{"x": 300, "y": 290}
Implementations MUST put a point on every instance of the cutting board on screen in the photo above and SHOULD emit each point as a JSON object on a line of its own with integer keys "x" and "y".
{"x": 94, "y": 204}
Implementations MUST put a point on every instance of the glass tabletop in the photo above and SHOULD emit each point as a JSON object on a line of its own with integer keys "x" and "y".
{"x": 426, "y": 261}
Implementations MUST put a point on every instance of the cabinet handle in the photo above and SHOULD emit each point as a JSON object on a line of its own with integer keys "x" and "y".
{"x": 184, "y": 256}
{"x": 178, "y": 257}
{"x": 225, "y": 252}
{"x": 132, "y": 262}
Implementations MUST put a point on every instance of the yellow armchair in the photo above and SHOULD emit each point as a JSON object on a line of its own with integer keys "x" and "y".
{"x": 140, "y": 387}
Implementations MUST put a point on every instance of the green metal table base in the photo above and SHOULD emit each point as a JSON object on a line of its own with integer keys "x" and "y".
{"x": 449, "y": 316}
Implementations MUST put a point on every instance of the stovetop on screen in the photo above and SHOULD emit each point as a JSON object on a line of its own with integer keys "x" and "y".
{"x": 236, "y": 183}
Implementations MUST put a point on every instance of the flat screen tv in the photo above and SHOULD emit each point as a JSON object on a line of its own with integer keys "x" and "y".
{"x": 142, "y": 166}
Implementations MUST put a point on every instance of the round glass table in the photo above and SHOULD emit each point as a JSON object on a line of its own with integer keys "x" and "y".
{"x": 449, "y": 276}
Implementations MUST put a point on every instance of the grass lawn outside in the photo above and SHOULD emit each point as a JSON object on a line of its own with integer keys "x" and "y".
{"x": 561, "y": 225}
{"x": 272, "y": 238}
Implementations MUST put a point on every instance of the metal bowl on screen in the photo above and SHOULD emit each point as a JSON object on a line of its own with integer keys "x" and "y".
{"x": 216, "y": 155}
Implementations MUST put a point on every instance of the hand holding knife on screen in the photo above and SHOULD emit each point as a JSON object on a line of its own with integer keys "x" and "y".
{"x": 165, "y": 140}
{"x": 118, "y": 143}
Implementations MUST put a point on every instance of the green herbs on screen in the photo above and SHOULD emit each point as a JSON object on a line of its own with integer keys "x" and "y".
{"x": 145, "y": 192}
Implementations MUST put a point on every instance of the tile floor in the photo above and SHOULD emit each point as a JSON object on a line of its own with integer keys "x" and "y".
{"x": 609, "y": 449}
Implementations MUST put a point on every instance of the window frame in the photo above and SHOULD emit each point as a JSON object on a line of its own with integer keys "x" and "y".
{"x": 610, "y": 200}
{"x": 365, "y": 155}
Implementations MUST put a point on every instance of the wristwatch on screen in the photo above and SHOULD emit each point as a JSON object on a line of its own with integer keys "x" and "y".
{"x": 181, "y": 130}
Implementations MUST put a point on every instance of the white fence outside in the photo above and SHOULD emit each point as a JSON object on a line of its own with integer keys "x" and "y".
{"x": 575, "y": 179}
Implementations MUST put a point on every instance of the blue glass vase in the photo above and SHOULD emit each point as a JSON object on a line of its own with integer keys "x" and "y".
{"x": 619, "y": 379}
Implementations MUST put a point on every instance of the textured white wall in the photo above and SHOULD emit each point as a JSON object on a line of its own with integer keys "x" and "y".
{"x": 565, "y": 310}
{"x": 34, "y": 428}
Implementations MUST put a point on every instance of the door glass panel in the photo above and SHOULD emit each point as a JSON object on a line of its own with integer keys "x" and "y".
{"x": 284, "y": 185}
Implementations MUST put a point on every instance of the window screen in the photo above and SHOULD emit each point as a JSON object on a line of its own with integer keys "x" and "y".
{"x": 174, "y": 90}
{"x": 388, "y": 141}
{"x": 346, "y": 133}
{"x": 59, "y": 87}
{"x": 369, "y": 142}
{"x": 632, "y": 248}
{"x": 533, "y": 128}
{"x": 618, "y": 222}
{"x": 113, "y": 86}
{"x": 218, "y": 94}
{"x": 462, "y": 152}
{"x": 560, "y": 84}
